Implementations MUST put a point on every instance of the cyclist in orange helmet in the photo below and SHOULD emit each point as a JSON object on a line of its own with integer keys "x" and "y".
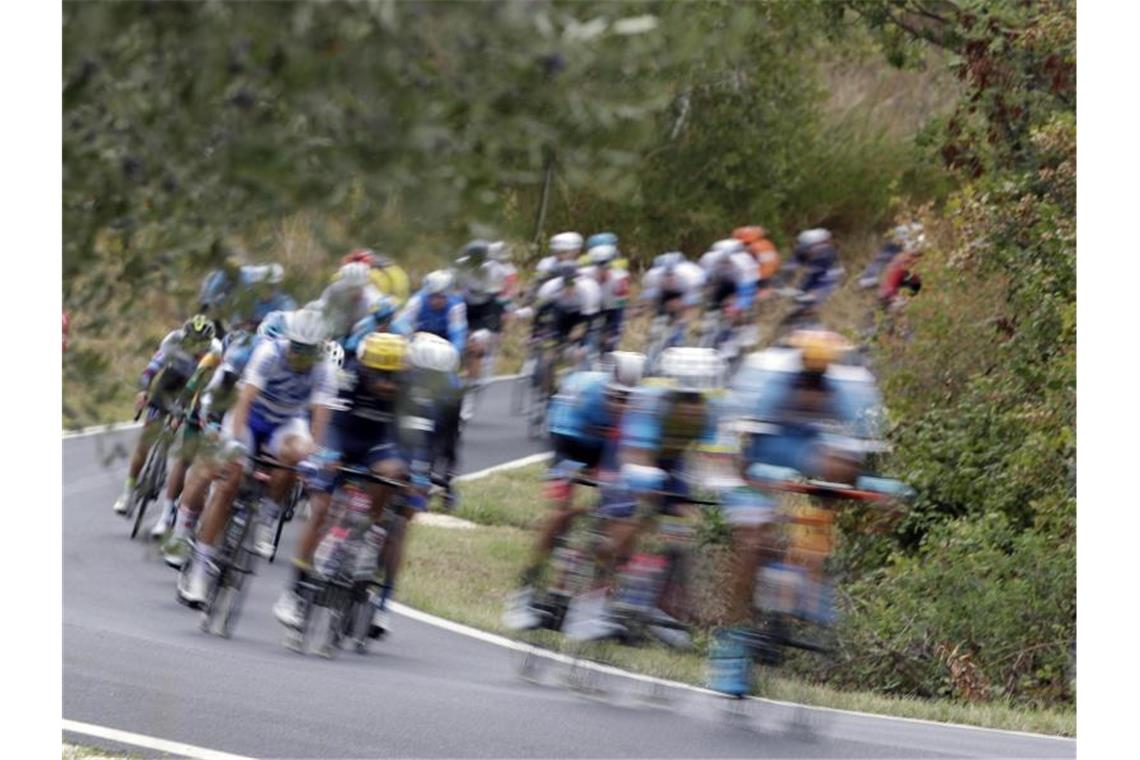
{"x": 755, "y": 238}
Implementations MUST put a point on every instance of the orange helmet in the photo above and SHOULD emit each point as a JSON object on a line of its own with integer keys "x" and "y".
{"x": 359, "y": 255}
{"x": 748, "y": 235}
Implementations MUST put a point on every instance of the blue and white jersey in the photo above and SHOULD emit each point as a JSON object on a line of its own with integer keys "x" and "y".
{"x": 284, "y": 392}
{"x": 579, "y": 408}
{"x": 450, "y": 322}
{"x": 740, "y": 269}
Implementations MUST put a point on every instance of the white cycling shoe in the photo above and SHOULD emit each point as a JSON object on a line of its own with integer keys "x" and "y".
{"x": 587, "y": 618}
{"x": 287, "y": 610}
{"x": 520, "y": 614}
{"x": 122, "y": 504}
{"x": 196, "y": 588}
{"x": 263, "y": 539}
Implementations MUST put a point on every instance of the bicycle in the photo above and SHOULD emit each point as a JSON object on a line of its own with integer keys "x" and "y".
{"x": 346, "y": 564}
{"x": 152, "y": 477}
{"x": 665, "y": 332}
{"x": 236, "y": 558}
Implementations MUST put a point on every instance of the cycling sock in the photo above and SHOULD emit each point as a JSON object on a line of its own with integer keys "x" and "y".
{"x": 385, "y": 595}
{"x": 270, "y": 510}
{"x": 185, "y": 523}
{"x": 129, "y": 485}
{"x": 203, "y": 553}
{"x": 166, "y": 507}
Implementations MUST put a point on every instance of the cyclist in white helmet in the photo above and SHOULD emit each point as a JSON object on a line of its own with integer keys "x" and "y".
{"x": 284, "y": 379}
{"x": 613, "y": 281}
{"x": 348, "y": 299}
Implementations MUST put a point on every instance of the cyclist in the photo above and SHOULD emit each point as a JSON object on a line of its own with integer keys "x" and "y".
{"x": 816, "y": 257}
{"x": 379, "y": 319}
{"x": 161, "y": 386}
{"x": 386, "y": 276}
{"x": 804, "y": 414}
{"x": 564, "y": 247}
{"x": 763, "y": 250}
{"x": 480, "y": 280}
{"x": 664, "y": 422}
{"x": 672, "y": 288}
{"x": 566, "y": 306}
{"x": 435, "y": 309}
{"x": 731, "y": 275}
{"x": 899, "y": 274}
{"x": 893, "y": 245}
{"x": 213, "y": 402}
{"x": 584, "y": 416}
{"x": 613, "y": 282}
{"x": 284, "y": 378}
{"x": 244, "y": 292}
{"x": 348, "y": 299}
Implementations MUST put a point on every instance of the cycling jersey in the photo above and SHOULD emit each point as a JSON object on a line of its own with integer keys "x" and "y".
{"x": 561, "y": 309}
{"x": 345, "y": 305}
{"x": 283, "y": 391}
{"x": 897, "y": 277}
{"x": 650, "y": 424}
{"x": 685, "y": 284}
{"x": 805, "y": 410}
{"x": 449, "y": 322}
{"x": 736, "y": 279}
{"x": 579, "y": 409}
{"x": 822, "y": 271}
{"x": 174, "y": 363}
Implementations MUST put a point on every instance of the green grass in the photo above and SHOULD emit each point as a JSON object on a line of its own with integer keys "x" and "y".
{"x": 467, "y": 575}
{"x": 79, "y": 752}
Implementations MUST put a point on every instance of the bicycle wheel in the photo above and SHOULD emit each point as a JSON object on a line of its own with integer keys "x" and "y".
{"x": 149, "y": 482}
{"x": 235, "y": 562}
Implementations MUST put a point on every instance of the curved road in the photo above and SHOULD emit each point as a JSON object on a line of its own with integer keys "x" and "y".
{"x": 134, "y": 660}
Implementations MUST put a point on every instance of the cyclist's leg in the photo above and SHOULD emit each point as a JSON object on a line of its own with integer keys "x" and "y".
{"x": 149, "y": 434}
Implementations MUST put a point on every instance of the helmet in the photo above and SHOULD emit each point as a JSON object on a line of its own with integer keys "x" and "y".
{"x": 431, "y": 352}
{"x": 567, "y": 270}
{"x": 601, "y": 238}
{"x": 670, "y": 259}
{"x": 692, "y": 369}
{"x": 915, "y": 243}
{"x": 499, "y": 251}
{"x": 565, "y": 242}
{"x": 355, "y": 274}
{"x": 627, "y": 368}
{"x": 383, "y": 307}
{"x": 603, "y": 254}
{"x": 275, "y": 324}
{"x": 334, "y": 353}
{"x": 476, "y": 250}
{"x": 818, "y": 348}
{"x": 813, "y": 237}
{"x": 382, "y": 351}
{"x": 199, "y": 328}
{"x": 274, "y": 274}
{"x": 307, "y": 327}
{"x": 728, "y": 245}
{"x": 715, "y": 258}
{"x": 437, "y": 282}
{"x": 751, "y": 234}
{"x": 359, "y": 256}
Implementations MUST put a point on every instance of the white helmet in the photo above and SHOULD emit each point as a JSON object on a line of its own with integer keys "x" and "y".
{"x": 713, "y": 258}
{"x": 728, "y": 246}
{"x": 437, "y": 282}
{"x": 603, "y": 254}
{"x": 499, "y": 251}
{"x": 429, "y": 351}
{"x": 813, "y": 237}
{"x": 355, "y": 274}
{"x": 334, "y": 353}
{"x": 693, "y": 369}
{"x": 670, "y": 259}
{"x": 307, "y": 327}
{"x": 627, "y": 368}
{"x": 274, "y": 274}
{"x": 564, "y": 242}
{"x": 546, "y": 266}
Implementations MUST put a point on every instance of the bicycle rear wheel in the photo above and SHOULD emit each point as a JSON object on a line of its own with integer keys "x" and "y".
{"x": 150, "y": 482}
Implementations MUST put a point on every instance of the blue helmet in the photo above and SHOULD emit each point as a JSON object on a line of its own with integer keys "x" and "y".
{"x": 601, "y": 238}
{"x": 383, "y": 308}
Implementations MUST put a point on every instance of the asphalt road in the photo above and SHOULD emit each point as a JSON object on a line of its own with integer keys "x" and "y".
{"x": 134, "y": 660}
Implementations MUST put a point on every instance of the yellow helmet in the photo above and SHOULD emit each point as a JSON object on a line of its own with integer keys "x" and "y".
{"x": 819, "y": 348}
{"x": 382, "y": 351}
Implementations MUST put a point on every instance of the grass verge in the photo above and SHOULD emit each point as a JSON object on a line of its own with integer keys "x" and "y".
{"x": 79, "y": 752}
{"x": 466, "y": 576}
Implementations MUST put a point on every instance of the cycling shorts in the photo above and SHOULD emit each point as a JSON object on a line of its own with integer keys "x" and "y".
{"x": 262, "y": 435}
{"x": 570, "y": 449}
{"x": 353, "y": 446}
{"x": 621, "y": 503}
{"x": 485, "y": 316}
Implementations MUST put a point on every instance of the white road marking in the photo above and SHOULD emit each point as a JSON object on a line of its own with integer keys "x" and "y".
{"x": 148, "y": 742}
{"x": 521, "y": 646}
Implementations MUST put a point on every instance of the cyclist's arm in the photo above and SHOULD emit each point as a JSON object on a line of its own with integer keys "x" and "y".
{"x": 246, "y": 395}
{"x": 405, "y": 321}
{"x": 457, "y": 326}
